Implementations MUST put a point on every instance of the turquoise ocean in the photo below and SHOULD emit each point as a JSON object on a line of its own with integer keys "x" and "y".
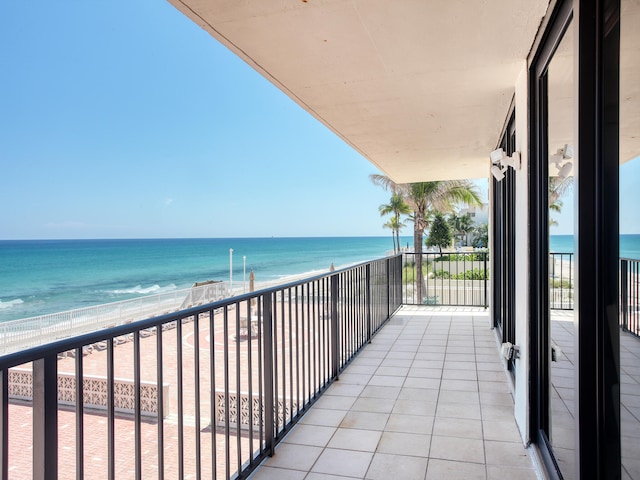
{"x": 47, "y": 276}
{"x": 629, "y": 245}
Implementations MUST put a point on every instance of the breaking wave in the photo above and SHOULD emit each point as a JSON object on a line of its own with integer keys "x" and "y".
{"x": 10, "y": 303}
{"x": 140, "y": 290}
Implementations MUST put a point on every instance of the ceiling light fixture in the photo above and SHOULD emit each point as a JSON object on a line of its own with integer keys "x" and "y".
{"x": 501, "y": 162}
{"x": 559, "y": 160}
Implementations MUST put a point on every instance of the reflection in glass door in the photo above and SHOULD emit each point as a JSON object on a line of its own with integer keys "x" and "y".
{"x": 576, "y": 394}
{"x": 561, "y": 162}
{"x": 629, "y": 223}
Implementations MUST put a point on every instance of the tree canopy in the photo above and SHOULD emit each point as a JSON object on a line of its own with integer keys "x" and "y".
{"x": 440, "y": 234}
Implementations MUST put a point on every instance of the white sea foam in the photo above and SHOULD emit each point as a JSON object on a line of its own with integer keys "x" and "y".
{"x": 10, "y": 303}
{"x": 140, "y": 290}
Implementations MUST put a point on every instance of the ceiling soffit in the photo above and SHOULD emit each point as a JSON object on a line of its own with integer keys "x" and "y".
{"x": 419, "y": 88}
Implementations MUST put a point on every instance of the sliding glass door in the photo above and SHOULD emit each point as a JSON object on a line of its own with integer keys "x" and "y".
{"x": 574, "y": 362}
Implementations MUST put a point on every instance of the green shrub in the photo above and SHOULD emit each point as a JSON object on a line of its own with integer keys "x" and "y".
{"x": 475, "y": 274}
{"x": 560, "y": 283}
{"x": 409, "y": 273}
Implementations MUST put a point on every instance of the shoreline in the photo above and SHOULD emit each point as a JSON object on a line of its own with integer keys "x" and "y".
{"x": 54, "y": 276}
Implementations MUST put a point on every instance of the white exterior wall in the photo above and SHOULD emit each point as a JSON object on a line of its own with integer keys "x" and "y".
{"x": 521, "y": 397}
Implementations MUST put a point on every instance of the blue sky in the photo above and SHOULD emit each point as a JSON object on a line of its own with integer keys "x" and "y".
{"x": 124, "y": 119}
{"x": 629, "y": 201}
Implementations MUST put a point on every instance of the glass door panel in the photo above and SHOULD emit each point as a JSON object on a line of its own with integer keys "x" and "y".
{"x": 561, "y": 360}
{"x": 629, "y": 243}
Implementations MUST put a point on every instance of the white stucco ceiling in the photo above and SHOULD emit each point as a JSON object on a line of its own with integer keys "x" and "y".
{"x": 420, "y": 88}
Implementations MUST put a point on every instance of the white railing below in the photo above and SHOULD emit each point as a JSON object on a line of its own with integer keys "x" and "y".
{"x": 24, "y": 333}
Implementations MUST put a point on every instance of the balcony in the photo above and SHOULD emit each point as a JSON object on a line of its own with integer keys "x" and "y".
{"x": 327, "y": 376}
{"x": 429, "y": 396}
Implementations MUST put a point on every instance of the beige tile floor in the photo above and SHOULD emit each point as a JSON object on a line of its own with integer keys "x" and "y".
{"x": 427, "y": 399}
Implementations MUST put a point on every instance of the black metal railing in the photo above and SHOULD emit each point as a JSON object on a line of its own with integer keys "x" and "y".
{"x": 452, "y": 279}
{"x": 202, "y": 393}
{"x": 561, "y": 288}
{"x": 630, "y": 295}
{"x": 561, "y": 272}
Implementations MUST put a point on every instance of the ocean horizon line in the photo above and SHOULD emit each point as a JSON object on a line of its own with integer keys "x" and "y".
{"x": 194, "y": 238}
{"x": 283, "y": 237}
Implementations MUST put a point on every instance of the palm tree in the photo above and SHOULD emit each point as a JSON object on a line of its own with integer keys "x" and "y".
{"x": 555, "y": 207}
{"x": 425, "y": 199}
{"x": 395, "y": 225}
{"x": 461, "y": 226}
{"x": 396, "y": 206}
{"x": 558, "y": 188}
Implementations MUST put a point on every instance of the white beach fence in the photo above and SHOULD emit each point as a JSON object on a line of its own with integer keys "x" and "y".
{"x": 24, "y": 333}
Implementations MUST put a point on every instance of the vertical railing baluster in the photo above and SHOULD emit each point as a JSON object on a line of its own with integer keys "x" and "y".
{"x": 388, "y": 267}
{"x": 250, "y": 377}
{"x": 368, "y": 300}
{"x": 449, "y": 281}
{"x": 464, "y": 279}
{"x": 239, "y": 390}
{"x": 267, "y": 346}
{"x": 4, "y": 424}
{"x": 196, "y": 387}
{"x": 283, "y": 348}
{"x": 275, "y": 366}
{"x": 571, "y": 282}
{"x": 326, "y": 345}
{"x": 111, "y": 418}
{"x": 212, "y": 395}
{"x": 180, "y": 393}
{"x": 349, "y": 307}
{"x": 341, "y": 324}
{"x": 624, "y": 310}
{"x": 261, "y": 370}
{"x": 308, "y": 356}
{"x": 79, "y": 416}
{"x": 227, "y": 426}
{"x": 136, "y": 409}
{"x": 297, "y": 310}
{"x": 45, "y": 418}
{"x": 486, "y": 276}
{"x": 335, "y": 340}
{"x": 636, "y": 297}
{"x": 289, "y": 401}
{"x": 160, "y": 382}
{"x": 316, "y": 337}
